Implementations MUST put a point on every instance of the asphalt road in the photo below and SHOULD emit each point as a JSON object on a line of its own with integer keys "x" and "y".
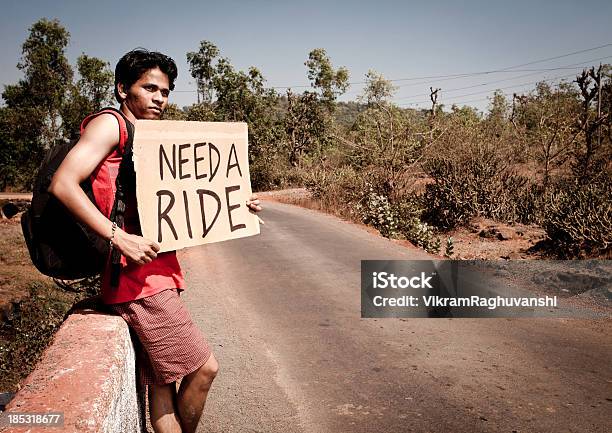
{"x": 282, "y": 313}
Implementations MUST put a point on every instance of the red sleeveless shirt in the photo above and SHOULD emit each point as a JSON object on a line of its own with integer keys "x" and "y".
{"x": 135, "y": 281}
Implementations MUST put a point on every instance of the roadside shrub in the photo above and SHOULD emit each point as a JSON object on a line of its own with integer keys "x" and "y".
{"x": 268, "y": 173}
{"x": 578, "y": 218}
{"x": 342, "y": 186}
{"x": 421, "y": 234}
{"x": 479, "y": 183}
{"x": 375, "y": 210}
{"x": 451, "y": 199}
{"x": 398, "y": 220}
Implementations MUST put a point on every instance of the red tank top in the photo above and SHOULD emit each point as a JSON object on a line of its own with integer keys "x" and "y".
{"x": 135, "y": 281}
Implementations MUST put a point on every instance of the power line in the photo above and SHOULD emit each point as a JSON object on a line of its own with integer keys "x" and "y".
{"x": 467, "y": 74}
{"x": 447, "y": 77}
{"x": 509, "y": 87}
{"x": 516, "y": 70}
{"x": 487, "y": 91}
{"x": 572, "y": 66}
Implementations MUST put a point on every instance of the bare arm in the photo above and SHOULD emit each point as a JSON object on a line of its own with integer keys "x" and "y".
{"x": 97, "y": 141}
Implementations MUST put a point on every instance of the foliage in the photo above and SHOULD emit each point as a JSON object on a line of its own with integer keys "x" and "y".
{"x": 383, "y": 141}
{"x": 47, "y": 73}
{"x": 595, "y": 153}
{"x": 93, "y": 91}
{"x": 377, "y": 90}
{"x": 546, "y": 118}
{"x": 377, "y": 211}
{"x": 202, "y": 112}
{"x": 45, "y": 107}
{"x": 19, "y": 147}
{"x": 35, "y": 101}
{"x": 342, "y": 185}
{"x": 475, "y": 184}
{"x": 203, "y": 70}
{"x": 578, "y": 218}
{"x": 306, "y": 126}
{"x": 329, "y": 82}
{"x": 346, "y": 188}
{"x": 421, "y": 234}
{"x": 449, "y": 248}
{"x": 173, "y": 112}
{"x": 398, "y": 220}
{"x": 28, "y": 331}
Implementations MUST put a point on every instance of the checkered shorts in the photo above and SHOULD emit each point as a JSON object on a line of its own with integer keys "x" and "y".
{"x": 168, "y": 344}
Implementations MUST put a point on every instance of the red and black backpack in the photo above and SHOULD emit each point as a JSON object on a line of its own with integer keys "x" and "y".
{"x": 59, "y": 245}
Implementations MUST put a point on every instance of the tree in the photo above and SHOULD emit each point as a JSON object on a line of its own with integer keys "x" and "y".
{"x": 232, "y": 95}
{"x": 91, "y": 92}
{"x": 96, "y": 82}
{"x": 591, "y": 160}
{"x": 203, "y": 70}
{"x": 498, "y": 108}
{"x": 546, "y": 118}
{"x": 377, "y": 90}
{"x": 47, "y": 72}
{"x": 305, "y": 125}
{"x": 384, "y": 147}
{"x": 173, "y": 112}
{"x": 329, "y": 82}
{"x": 31, "y": 121}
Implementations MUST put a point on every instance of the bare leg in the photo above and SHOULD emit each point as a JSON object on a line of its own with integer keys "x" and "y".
{"x": 192, "y": 394}
{"x": 162, "y": 407}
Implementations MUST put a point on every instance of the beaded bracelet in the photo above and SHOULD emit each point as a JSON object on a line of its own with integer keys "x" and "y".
{"x": 110, "y": 241}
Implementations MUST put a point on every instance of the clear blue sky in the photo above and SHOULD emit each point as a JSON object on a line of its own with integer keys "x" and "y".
{"x": 400, "y": 39}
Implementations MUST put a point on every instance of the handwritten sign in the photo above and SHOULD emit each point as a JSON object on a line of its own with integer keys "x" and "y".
{"x": 192, "y": 182}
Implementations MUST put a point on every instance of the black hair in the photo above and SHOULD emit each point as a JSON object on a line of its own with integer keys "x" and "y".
{"x": 135, "y": 63}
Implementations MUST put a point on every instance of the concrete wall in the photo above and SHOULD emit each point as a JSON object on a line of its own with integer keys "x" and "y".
{"x": 87, "y": 373}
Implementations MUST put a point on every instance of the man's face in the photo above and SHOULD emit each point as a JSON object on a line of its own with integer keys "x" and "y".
{"x": 147, "y": 98}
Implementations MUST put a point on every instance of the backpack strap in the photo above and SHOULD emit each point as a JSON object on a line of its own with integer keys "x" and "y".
{"x": 124, "y": 131}
{"x": 126, "y": 139}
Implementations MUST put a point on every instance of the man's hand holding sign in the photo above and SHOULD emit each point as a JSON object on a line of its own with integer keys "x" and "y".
{"x": 192, "y": 184}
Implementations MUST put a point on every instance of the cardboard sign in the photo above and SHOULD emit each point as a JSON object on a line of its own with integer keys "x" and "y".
{"x": 192, "y": 182}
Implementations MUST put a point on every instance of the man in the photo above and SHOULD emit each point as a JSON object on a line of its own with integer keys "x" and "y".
{"x": 169, "y": 345}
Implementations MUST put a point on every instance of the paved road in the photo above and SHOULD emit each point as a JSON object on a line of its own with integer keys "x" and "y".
{"x": 282, "y": 312}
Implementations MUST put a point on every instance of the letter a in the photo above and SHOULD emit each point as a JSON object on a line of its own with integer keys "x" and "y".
{"x": 229, "y": 158}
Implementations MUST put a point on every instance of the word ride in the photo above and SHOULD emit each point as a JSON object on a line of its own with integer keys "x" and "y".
{"x": 165, "y": 216}
{"x": 192, "y": 182}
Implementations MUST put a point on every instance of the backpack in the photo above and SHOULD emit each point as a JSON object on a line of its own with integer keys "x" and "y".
{"x": 59, "y": 245}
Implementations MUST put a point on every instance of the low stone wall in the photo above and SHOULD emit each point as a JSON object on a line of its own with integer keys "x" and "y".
{"x": 88, "y": 374}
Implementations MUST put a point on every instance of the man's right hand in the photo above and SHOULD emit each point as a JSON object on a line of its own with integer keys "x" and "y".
{"x": 135, "y": 248}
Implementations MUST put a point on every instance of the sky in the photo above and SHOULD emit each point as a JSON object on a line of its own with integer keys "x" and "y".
{"x": 406, "y": 41}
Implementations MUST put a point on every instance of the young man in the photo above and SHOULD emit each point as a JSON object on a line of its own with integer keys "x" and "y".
{"x": 170, "y": 346}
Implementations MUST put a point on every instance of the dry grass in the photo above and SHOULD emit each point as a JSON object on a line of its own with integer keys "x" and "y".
{"x": 18, "y": 273}
{"x": 32, "y": 308}
{"x": 303, "y": 198}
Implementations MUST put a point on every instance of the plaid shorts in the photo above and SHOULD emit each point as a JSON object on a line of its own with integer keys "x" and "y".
{"x": 168, "y": 344}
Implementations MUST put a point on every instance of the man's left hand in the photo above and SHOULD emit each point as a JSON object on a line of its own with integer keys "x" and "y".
{"x": 253, "y": 204}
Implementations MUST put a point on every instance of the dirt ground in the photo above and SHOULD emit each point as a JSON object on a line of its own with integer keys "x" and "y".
{"x": 18, "y": 273}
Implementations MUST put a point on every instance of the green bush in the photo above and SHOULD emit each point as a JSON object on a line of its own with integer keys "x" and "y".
{"x": 421, "y": 234}
{"x": 375, "y": 210}
{"x": 398, "y": 220}
{"x": 578, "y": 218}
{"x": 477, "y": 184}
